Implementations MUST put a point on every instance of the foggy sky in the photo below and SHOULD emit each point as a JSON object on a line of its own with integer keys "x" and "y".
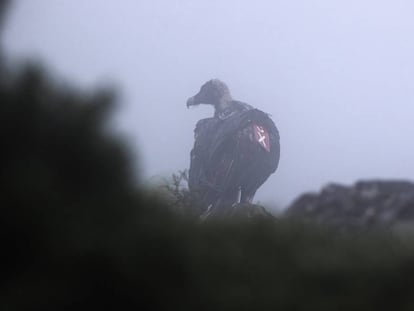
{"x": 336, "y": 76}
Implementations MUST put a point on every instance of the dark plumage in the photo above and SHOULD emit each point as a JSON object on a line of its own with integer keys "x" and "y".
{"x": 234, "y": 152}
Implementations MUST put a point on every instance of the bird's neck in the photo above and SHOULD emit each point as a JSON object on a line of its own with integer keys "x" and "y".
{"x": 223, "y": 104}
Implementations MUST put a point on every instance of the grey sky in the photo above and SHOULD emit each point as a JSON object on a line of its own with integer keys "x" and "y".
{"x": 335, "y": 75}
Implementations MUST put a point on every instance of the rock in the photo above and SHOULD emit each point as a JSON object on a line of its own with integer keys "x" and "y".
{"x": 374, "y": 203}
{"x": 238, "y": 211}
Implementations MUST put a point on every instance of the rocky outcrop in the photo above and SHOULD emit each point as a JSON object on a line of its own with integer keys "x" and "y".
{"x": 373, "y": 203}
{"x": 238, "y": 211}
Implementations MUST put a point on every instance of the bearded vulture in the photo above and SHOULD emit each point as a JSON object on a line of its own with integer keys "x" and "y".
{"x": 234, "y": 152}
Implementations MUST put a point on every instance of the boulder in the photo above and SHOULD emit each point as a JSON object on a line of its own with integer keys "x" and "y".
{"x": 374, "y": 203}
{"x": 241, "y": 211}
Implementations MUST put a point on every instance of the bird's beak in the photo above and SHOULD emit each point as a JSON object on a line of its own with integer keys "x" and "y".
{"x": 191, "y": 102}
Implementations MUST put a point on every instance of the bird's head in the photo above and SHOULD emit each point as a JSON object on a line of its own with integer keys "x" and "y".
{"x": 213, "y": 92}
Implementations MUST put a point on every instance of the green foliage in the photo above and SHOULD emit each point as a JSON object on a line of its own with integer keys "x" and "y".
{"x": 177, "y": 195}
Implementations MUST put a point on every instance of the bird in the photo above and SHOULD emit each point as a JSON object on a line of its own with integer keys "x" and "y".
{"x": 235, "y": 151}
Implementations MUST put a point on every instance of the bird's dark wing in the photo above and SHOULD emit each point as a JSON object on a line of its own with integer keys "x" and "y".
{"x": 203, "y": 135}
{"x": 237, "y": 158}
{"x": 228, "y": 155}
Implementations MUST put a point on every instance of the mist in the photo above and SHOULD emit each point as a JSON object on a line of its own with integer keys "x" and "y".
{"x": 335, "y": 76}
